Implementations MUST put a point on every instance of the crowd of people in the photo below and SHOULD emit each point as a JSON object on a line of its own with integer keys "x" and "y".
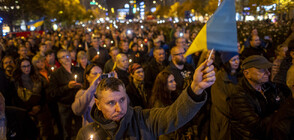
{"x": 52, "y": 83}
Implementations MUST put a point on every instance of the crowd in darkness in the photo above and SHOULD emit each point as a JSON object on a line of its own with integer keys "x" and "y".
{"x": 48, "y": 81}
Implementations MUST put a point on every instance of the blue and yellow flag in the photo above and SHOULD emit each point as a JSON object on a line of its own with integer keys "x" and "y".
{"x": 36, "y": 23}
{"x": 220, "y": 32}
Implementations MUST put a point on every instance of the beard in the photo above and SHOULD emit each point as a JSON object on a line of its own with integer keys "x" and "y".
{"x": 180, "y": 62}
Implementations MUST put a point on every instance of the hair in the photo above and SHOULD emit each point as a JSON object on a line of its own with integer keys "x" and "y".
{"x": 113, "y": 48}
{"x": 278, "y": 49}
{"x": 160, "y": 89}
{"x": 87, "y": 72}
{"x": 35, "y": 59}
{"x": 49, "y": 52}
{"x": 42, "y": 44}
{"x": 17, "y": 73}
{"x": 82, "y": 54}
{"x": 61, "y": 51}
{"x": 5, "y": 57}
{"x": 112, "y": 84}
{"x": 71, "y": 49}
{"x": 157, "y": 48}
{"x": 227, "y": 67}
{"x": 120, "y": 55}
{"x": 290, "y": 48}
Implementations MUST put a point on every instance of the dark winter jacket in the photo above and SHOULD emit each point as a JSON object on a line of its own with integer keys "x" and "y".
{"x": 221, "y": 90}
{"x": 147, "y": 123}
{"x": 251, "y": 112}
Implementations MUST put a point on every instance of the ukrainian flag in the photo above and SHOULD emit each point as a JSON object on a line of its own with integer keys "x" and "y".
{"x": 36, "y": 23}
{"x": 219, "y": 33}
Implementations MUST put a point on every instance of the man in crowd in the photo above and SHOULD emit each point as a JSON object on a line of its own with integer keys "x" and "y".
{"x": 97, "y": 54}
{"x": 254, "y": 48}
{"x": 255, "y": 101}
{"x": 64, "y": 84}
{"x": 114, "y": 119}
{"x": 124, "y": 47}
{"x": 156, "y": 65}
{"x": 182, "y": 71}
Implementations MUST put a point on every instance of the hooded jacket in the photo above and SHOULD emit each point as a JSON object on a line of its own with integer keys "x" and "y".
{"x": 146, "y": 124}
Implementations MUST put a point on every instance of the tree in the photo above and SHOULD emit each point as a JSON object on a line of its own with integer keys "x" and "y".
{"x": 211, "y": 7}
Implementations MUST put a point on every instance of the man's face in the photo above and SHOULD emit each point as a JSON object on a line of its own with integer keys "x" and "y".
{"x": 23, "y": 51}
{"x": 123, "y": 63}
{"x": 113, "y": 54}
{"x": 138, "y": 75}
{"x": 64, "y": 58}
{"x": 258, "y": 76}
{"x": 178, "y": 56}
{"x": 43, "y": 48}
{"x": 50, "y": 58}
{"x": 181, "y": 42}
{"x": 40, "y": 64}
{"x": 8, "y": 61}
{"x": 255, "y": 42}
{"x": 125, "y": 47}
{"x": 159, "y": 55}
{"x": 96, "y": 42}
{"x": 113, "y": 104}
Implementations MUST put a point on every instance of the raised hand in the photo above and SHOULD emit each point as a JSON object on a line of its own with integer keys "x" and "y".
{"x": 204, "y": 77}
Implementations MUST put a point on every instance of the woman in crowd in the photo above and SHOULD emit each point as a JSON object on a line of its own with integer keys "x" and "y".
{"x": 162, "y": 90}
{"x": 135, "y": 90}
{"x": 84, "y": 99}
{"x": 31, "y": 96}
{"x": 82, "y": 60}
{"x": 226, "y": 80}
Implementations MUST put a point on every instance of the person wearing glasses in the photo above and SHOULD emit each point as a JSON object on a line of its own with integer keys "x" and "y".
{"x": 31, "y": 96}
{"x": 63, "y": 86}
{"x": 182, "y": 71}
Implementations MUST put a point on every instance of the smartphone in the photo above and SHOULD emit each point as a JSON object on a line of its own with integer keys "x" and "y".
{"x": 107, "y": 75}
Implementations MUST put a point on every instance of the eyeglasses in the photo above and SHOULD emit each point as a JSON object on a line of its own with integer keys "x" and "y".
{"x": 179, "y": 53}
{"x": 26, "y": 66}
{"x": 62, "y": 57}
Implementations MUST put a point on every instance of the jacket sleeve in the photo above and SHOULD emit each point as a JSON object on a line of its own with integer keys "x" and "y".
{"x": 54, "y": 90}
{"x": 165, "y": 120}
{"x": 82, "y": 100}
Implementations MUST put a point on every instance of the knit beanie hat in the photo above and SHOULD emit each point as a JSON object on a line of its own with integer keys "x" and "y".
{"x": 133, "y": 68}
{"x": 226, "y": 56}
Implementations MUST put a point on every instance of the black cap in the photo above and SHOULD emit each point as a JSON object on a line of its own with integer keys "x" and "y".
{"x": 256, "y": 61}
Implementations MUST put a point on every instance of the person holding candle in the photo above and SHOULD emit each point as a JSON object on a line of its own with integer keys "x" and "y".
{"x": 115, "y": 119}
{"x": 62, "y": 88}
{"x": 97, "y": 54}
{"x": 84, "y": 99}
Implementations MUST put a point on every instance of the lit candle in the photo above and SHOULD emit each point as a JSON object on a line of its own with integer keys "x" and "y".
{"x": 76, "y": 76}
{"x": 98, "y": 53}
{"x": 52, "y": 68}
{"x": 104, "y": 45}
{"x": 130, "y": 60}
{"x": 141, "y": 45}
{"x": 111, "y": 42}
{"x": 91, "y": 137}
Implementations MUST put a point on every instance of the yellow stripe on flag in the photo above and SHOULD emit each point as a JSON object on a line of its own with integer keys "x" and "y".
{"x": 37, "y": 24}
{"x": 199, "y": 43}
